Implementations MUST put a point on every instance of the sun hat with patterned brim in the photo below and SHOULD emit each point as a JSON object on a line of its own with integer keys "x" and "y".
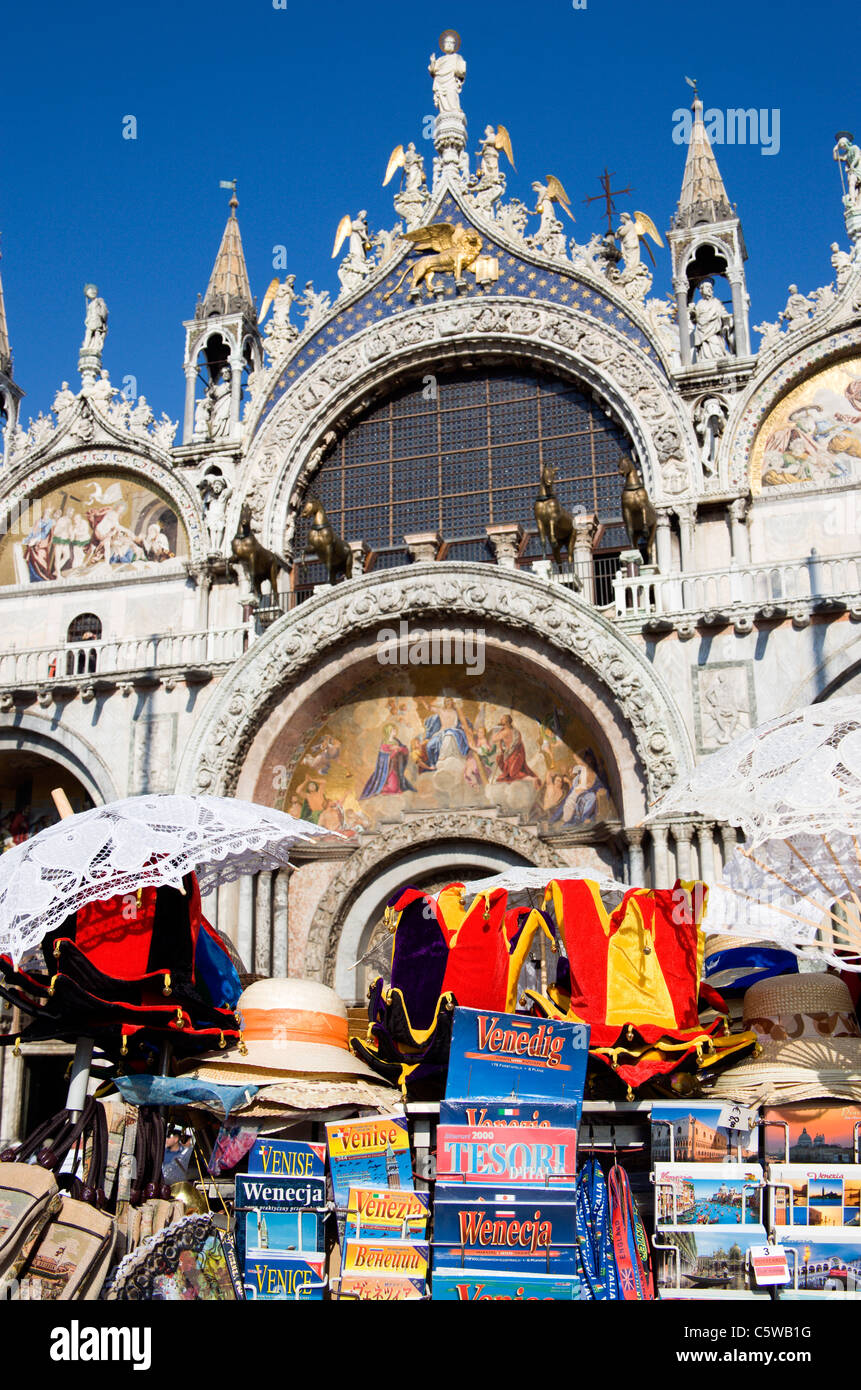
{"x": 810, "y": 1043}
{"x": 293, "y": 1027}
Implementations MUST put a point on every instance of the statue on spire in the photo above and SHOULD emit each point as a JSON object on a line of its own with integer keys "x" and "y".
{"x": 95, "y": 332}
{"x": 448, "y": 71}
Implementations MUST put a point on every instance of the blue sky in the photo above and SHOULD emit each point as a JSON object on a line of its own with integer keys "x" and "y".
{"x": 304, "y": 104}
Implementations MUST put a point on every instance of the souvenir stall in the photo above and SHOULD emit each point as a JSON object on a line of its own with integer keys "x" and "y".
{"x": 565, "y": 1089}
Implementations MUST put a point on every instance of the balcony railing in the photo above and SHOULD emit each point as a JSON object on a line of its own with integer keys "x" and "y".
{"x": 123, "y": 657}
{"x": 785, "y": 587}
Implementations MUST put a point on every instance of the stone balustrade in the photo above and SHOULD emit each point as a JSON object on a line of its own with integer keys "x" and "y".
{"x": 740, "y": 594}
{"x": 122, "y": 658}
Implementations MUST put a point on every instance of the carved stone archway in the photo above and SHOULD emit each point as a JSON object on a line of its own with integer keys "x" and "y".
{"x": 568, "y": 631}
{"x": 371, "y": 859}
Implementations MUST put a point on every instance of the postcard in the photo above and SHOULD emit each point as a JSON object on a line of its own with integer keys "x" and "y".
{"x": 708, "y": 1194}
{"x": 690, "y": 1132}
{"x": 523, "y": 1229}
{"x": 822, "y": 1259}
{"x": 291, "y": 1278}
{"x": 812, "y": 1132}
{"x": 386, "y": 1212}
{"x": 819, "y": 1195}
{"x": 477, "y": 1286}
{"x": 369, "y": 1153}
{"x": 512, "y": 1056}
{"x": 706, "y": 1257}
{"x": 505, "y": 1153}
{"x": 283, "y": 1158}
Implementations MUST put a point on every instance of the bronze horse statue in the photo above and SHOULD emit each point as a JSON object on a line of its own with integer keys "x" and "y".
{"x": 555, "y": 527}
{"x": 640, "y": 517}
{"x": 326, "y": 544}
{"x": 258, "y": 562}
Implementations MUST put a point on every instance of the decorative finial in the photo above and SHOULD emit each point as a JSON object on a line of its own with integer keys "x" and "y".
{"x": 231, "y": 184}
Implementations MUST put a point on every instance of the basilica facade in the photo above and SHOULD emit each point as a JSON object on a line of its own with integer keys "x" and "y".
{"x": 467, "y": 563}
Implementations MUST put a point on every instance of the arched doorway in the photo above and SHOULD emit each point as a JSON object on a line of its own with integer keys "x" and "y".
{"x": 26, "y": 782}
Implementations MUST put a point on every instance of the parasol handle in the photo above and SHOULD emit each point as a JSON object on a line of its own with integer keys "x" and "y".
{"x": 77, "y": 1092}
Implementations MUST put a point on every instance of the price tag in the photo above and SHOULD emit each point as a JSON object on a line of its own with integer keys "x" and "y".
{"x": 736, "y": 1118}
{"x": 769, "y": 1264}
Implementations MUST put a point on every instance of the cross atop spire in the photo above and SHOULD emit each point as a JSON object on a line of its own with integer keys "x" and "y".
{"x": 703, "y": 197}
{"x": 229, "y": 290}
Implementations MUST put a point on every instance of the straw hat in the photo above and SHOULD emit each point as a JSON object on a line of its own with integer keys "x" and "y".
{"x": 810, "y": 1043}
{"x": 289, "y": 1026}
{"x": 737, "y": 962}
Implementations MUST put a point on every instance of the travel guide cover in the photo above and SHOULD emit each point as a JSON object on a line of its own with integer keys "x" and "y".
{"x": 501, "y": 1153}
{"x": 512, "y": 1056}
{"x": 369, "y": 1153}
{"x": 402, "y": 1259}
{"x": 540, "y": 1114}
{"x": 479, "y": 1286}
{"x": 290, "y": 1278}
{"x": 278, "y": 1214}
{"x": 284, "y": 1158}
{"x": 386, "y": 1212}
{"x": 378, "y": 1288}
{"x": 524, "y": 1229}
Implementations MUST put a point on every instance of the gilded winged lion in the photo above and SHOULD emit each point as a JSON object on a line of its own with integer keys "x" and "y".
{"x": 456, "y": 248}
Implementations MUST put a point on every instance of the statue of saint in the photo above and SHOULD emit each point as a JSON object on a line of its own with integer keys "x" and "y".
{"x": 712, "y": 325}
{"x": 849, "y": 155}
{"x": 219, "y": 417}
{"x": 95, "y": 321}
{"x": 448, "y": 71}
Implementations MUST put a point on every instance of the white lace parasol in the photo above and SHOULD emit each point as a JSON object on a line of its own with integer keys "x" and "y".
{"x": 522, "y": 878}
{"x": 143, "y": 841}
{"x": 796, "y": 773}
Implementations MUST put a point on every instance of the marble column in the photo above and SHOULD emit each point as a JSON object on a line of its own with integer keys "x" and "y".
{"x": 281, "y": 924}
{"x": 680, "y": 288}
{"x": 236, "y": 366}
{"x": 245, "y": 923}
{"x": 423, "y": 546}
{"x": 660, "y": 858}
{"x": 728, "y": 843}
{"x": 585, "y": 531}
{"x": 683, "y": 834}
{"x": 664, "y": 541}
{"x": 741, "y": 332}
{"x": 740, "y": 531}
{"x": 188, "y": 416}
{"x": 12, "y": 1097}
{"x": 263, "y": 925}
{"x": 705, "y": 835}
{"x": 636, "y": 860}
{"x": 687, "y": 514}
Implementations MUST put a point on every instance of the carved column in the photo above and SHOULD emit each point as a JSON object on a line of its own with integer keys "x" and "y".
{"x": 585, "y": 531}
{"x": 12, "y": 1097}
{"x": 687, "y": 514}
{"x": 263, "y": 925}
{"x": 664, "y": 541}
{"x": 636, "y": 860}
{"x": 741, "y": 331}
{"x": 705, "y": 834}
{"x": 281, "y": 924}
{"x": 683, "y": 834}
{"x": 660, "y": 858}
{"x": 360, "y": 551}
{"x": 423, "y": 545}
{"x": 188, "y": 417}
{"x": 680, "y": 288}
{"x": 740, "y": 531}
{"x": 506, "y": 542}
{"x": 202, "y": 577}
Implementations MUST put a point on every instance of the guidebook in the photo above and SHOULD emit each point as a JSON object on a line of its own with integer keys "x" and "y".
{"x": 402, "y": 1259}
{"x": 477, "y": 1286}
{"x": 278, "y": 1215}
{"x": 512, "y": 1056}
{"x": 369, "y": 1153}
{"x": 283, "y": 1158}
{"x": 507, "y": 1154}
{"x": 380, "y": 1213}
{"x": 526, "y": 1229}
{"x": 534, "y": 1114}
{"x": 291, "y": 1278}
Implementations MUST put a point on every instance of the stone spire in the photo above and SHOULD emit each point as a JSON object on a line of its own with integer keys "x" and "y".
{"x": 229, "y": 290}
{"x": 5, "y": 351}
{"x": 703, "y": 197}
